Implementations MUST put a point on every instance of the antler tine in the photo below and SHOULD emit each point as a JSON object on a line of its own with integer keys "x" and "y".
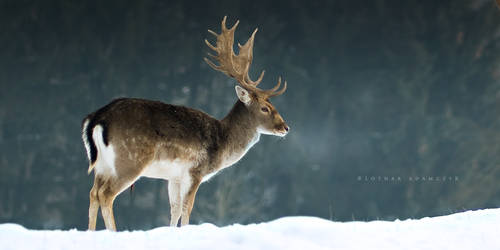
{"x": 211, "y": 64}
{"x": 212, "y": 32}
{"x": 234, "y": 26}
{"x": 224, "y": 27}
{"x": 258, "y": 79}
{"x": 276, "y": 87}
{"x": 210, "y": 45}
{"x": 273, "y": 91}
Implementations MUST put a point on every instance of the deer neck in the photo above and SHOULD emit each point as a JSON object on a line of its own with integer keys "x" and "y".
{"x": 241, "y": 131}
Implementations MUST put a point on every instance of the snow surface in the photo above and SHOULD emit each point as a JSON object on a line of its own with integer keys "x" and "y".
{"x": 468, "y": 230}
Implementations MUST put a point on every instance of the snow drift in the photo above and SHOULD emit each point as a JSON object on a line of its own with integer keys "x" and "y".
{"x": 468, "y": 230}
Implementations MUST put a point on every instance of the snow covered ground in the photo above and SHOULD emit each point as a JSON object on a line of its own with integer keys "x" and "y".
{"x": 468, "y": 230}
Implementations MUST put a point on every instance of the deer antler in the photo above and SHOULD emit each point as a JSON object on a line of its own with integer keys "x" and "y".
{"x": 237, "y": 66}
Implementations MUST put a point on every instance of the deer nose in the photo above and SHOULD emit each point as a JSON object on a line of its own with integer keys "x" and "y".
{"x": 286, "y": 128}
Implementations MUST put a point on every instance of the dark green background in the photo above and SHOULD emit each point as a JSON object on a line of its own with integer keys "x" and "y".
{"x": 397, "y": 89}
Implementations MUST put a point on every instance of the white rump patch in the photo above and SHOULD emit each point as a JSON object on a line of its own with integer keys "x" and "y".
{"x": 105, "y": 163}
{"x": 84, "y": 137}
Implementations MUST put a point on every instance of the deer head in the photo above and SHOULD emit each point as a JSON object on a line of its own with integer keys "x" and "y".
{"x": 237, "y": 66}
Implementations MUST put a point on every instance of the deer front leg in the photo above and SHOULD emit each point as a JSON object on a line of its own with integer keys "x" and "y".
{"x": 189, "y": 201}
{"x": 174, "y": 195}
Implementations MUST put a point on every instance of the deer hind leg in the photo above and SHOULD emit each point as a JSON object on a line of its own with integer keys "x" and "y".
{"x": 103, "y": 195}
{"x": 106, "y": 202}
{"x": 187, "y": 206}
{"x": 94, "y": 205}
{"x": 106, "y": 194}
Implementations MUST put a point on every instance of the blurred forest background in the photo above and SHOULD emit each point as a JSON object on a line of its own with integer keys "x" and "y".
{"x": 394, "y": 106}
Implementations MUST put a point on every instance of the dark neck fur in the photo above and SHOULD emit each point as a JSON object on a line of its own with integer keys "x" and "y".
{"x": 241, "y": 130}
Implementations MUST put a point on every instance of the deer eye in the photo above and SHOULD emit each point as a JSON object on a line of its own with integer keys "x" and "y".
{"x": 265, "y": 109}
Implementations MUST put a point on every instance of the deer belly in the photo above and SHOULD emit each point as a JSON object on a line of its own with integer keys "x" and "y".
{"x": 167, "y": 169}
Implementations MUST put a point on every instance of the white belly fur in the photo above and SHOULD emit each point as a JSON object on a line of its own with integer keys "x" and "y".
{"x": 167, "y": 169}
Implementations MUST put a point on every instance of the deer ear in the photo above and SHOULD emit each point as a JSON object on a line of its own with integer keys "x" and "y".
{"x": 243, "y": 95}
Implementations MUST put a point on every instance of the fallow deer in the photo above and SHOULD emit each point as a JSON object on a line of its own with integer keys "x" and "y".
{"x": 130, "y": 138}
